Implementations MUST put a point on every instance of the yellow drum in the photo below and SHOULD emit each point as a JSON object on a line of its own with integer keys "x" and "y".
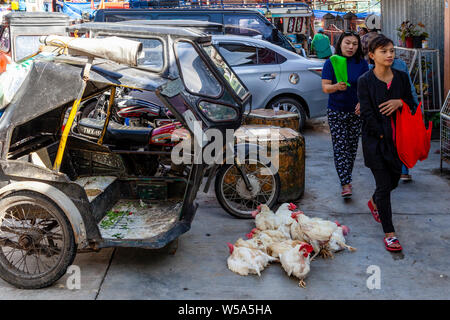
{"x": 291, "y": 155}
{"x": 281, "y": 118}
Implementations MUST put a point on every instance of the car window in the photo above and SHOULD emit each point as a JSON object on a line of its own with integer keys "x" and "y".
{"x": 266, "y": 56}
{"x": 182, "y": 17}
{"x": 4, "y": 40}
{"x": 26, "y": 46}
{"x": 250, "y": 22}
{"x": 241, "y": 55}
{"x": 152, "y": 54}
{"x": 238, "y": 54}
{"x": 196, "y": 75}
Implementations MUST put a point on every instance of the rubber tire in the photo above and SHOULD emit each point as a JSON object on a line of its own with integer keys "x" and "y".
{"x": 298, "y": 105}
{"x": 69, "y": 246}
{"x": 88, "y": 108}
{"x": 223, "y": 203}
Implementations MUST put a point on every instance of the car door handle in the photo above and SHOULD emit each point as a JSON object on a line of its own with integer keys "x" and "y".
{"x": 268, "y": 76}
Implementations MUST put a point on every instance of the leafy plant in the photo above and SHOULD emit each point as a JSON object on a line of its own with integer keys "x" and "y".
{"x": 408, "y": 29}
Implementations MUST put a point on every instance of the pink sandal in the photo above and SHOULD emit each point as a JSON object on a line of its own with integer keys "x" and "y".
{"x": 374, "y": 212}
{"x": 346, "y": 192}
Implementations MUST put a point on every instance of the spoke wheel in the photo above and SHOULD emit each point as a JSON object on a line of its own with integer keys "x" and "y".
{"x": 233, "y": 195}
{"x": 36, "y": 241}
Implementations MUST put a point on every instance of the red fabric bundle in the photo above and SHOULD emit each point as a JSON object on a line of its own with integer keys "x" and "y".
{"x": 411, "y": 137}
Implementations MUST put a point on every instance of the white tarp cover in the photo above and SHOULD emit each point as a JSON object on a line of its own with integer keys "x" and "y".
{"x": 117, "y": 49}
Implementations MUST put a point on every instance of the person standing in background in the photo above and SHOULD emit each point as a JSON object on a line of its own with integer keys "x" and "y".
{"x": 321, "y": 45}
{"x": 345, "y": 125}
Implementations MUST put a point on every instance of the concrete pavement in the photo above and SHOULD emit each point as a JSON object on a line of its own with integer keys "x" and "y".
{"x": 198, "y": 269}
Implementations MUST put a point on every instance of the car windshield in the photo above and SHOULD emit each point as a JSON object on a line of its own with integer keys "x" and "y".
{"x": 226, "y": 71}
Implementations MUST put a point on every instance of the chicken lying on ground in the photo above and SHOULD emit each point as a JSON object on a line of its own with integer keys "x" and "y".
{"x": 245, "y": 261}
{"x": 337, "y": 241}
{"x": 295, "y": 261}
{"x": 265, "y": 219}
{"x": 315, "y": 231}
{"x": 275, "y": 249}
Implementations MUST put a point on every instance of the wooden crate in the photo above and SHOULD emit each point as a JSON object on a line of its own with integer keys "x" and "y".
{"x": 291, "y": 163}
{"x": 281, "y": 118}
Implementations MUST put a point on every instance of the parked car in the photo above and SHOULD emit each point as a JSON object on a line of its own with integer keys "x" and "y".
{"x": 242, "y": 18}
{"x": 276, "y": 77}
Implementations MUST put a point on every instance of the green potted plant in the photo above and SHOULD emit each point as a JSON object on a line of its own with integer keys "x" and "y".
{"x": 406, "y": 32}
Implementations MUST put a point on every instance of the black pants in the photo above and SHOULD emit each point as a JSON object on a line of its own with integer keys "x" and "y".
{"x": 386, "y": 181}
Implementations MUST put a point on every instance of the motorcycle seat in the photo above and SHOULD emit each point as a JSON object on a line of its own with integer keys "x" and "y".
{"x": 116, "y": 134}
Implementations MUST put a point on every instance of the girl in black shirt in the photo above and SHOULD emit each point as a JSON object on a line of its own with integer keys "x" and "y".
{"x": 381, "y": 91}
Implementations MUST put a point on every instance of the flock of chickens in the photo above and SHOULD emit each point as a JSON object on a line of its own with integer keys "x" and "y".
{"x": 287, "y": 236}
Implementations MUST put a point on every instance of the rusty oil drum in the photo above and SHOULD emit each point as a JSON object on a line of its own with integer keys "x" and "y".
{"x": 281, "y": 118}
{"x": 291, "y": 160}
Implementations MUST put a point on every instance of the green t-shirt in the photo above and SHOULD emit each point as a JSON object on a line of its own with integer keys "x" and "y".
{"x": 321, "y": 44}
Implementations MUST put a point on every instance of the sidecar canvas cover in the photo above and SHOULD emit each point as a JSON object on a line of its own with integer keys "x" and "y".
{"x": 102, "y": 192}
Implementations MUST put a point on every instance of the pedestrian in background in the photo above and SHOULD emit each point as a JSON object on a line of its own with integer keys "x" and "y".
{"x": 381, "y": 92}
{"x": 345, "y": 125}
{"x": 321, "y": 45}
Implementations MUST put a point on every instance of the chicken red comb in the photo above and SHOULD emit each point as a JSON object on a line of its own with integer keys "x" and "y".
{"x": 249, "y": 235}
{"x": 337, "y": 223}
{"x": 308, "y": 249}
{"x": 345, "y": 230}
{"x": 258, "y": 207}
{"x": 231, "y": 247}
{"x": 255, "y": 213}
{"x": 292, "y": 206}
{"x": 295, "y": 214}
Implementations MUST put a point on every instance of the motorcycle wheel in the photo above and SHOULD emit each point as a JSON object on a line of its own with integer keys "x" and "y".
{"x": 233, "y": 195}
{"x": 37, "y": 243}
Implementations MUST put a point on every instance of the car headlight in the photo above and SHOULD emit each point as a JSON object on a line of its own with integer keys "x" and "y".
{"x": 217, "y": 112}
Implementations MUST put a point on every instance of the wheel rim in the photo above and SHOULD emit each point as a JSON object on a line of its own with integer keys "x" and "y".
{"x": 241, "y": 200}
{"x": 31, "y": 240}
{"x": 290, "y": 107}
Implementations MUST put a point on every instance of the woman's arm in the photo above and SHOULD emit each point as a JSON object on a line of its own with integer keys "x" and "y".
{"x": 367, "y": 112}
{"x": 328, "y": 87}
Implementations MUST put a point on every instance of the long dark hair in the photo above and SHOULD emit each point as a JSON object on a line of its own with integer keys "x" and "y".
{"x": 359, "y": 53}
{"x": 379, "y": 42}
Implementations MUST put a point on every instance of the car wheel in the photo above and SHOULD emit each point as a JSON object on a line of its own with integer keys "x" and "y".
{"x": 291, "y": 105}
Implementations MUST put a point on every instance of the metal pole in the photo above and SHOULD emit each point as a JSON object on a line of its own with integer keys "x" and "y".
{"x": 420, "y": 80}
{"x": 439, "y": 80}
{"x": 73, "y": 112}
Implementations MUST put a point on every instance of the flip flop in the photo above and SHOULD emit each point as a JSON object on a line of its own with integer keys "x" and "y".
{"x": 346, "y": 192}
{"x": 388, "y": 242}
{"x": 374, "y": 212}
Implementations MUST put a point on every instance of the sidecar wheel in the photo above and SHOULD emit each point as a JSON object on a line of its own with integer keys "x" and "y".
{"x": 236, "y": 199}
{"x": 37, "y": 243}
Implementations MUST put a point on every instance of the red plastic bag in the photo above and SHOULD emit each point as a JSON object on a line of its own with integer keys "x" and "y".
{"x": 412, "y": 139}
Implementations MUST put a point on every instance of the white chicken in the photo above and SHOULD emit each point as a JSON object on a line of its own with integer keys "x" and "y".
{"x": 268, "y": 236}
{"x": 245, "y": 261}
{"x": 315, "y": 231}
{"x": 265, "y": 219}
{"x": 295, "y": 261}
{"x": 337, "y": 241}
{"x": 275, "y": 249}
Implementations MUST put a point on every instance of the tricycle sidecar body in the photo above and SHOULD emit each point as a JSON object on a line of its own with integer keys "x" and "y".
{"x": 61, "y": 191}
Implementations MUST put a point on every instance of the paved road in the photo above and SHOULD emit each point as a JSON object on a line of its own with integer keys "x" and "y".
{"x": 198, "y": 270}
